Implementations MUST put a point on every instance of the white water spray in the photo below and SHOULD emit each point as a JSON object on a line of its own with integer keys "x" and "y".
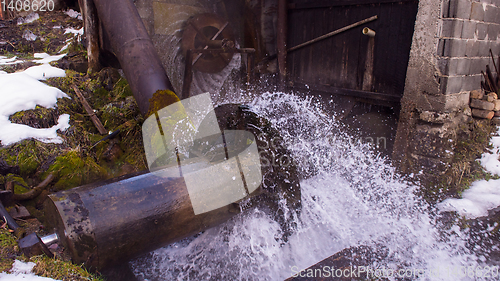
{"x": 351, "y": 197}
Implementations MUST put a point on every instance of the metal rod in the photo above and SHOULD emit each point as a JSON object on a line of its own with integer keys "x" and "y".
{"x": 333, "y": 33}
{"x": 50, "y": 239}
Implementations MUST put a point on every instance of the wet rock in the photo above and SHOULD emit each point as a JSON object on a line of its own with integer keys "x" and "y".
{"x": 19, "y": 212}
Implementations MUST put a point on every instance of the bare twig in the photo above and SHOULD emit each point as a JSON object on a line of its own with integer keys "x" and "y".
{"x": 35, "y": 191}
{"x": 493, "y": 60}
{"x": 90, "y": 112}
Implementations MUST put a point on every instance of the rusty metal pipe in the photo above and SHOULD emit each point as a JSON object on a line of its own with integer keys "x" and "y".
{"x": 107, "y": 223}
{"x": 134, "y": 49}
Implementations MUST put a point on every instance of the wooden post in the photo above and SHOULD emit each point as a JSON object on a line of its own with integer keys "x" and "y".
{"x": 368, "y": 75}
{"x": 188, "y": 75}
{"x": 281, "y": 38}
{"x": 91, "y": 28}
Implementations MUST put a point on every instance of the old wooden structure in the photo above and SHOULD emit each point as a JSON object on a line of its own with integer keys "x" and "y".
{"x": 338, "y": 65}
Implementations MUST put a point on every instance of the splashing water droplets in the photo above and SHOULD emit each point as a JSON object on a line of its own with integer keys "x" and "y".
{"x": 350, "y": 197}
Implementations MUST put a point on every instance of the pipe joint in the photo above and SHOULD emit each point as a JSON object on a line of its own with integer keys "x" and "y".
{"x": 369, "y": 32}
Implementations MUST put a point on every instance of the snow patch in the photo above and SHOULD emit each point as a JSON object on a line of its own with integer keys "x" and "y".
{"x": 74, "y": 31}
{"x": 482, "y": 195}
{"x": 490, "y": 161}
{"x": 23, "y": 91}
{"x": 73, "y": 14}
{"x": 46, "y": 58}
{"x": 21, "y": 271}
{"x": 7, "y": 61}
{"x": 28, "y": 19}
{"x": 28, "y": 35}
{"x": 476, "y": 201}
{"x": 44, "y": 71}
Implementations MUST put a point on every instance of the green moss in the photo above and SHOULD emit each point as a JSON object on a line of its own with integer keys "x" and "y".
{"x": 61, "y": 270}
{"x": 29, "y": 155}
{"x": 8, "y": 248}
{"x": 121, "y": 89}
{"x": 100, "y": 97}
{"x": 20, "y": 186}
{"x": 73, "y": 169}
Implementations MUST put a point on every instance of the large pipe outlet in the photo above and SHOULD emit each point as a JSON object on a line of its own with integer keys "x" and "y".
{"x": 134, "y": 49}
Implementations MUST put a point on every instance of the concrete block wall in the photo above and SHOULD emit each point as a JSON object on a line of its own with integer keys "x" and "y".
{"x": 450, "y": 48}
{"x": 467, "y": 30}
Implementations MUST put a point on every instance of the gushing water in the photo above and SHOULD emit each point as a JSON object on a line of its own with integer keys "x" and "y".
{"x": 350, "y": 197}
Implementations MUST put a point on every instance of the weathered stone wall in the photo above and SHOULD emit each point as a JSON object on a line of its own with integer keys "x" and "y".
{"x": 450, "y": 47}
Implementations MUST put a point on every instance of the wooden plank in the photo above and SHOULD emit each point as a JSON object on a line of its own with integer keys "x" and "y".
{"x": 393, "y": 99}
{"x": 328, "y": 4}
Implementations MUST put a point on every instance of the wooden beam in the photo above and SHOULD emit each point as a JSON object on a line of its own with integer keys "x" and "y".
{"x": 91, "y": 29}
{"x": 281, "y": 39}
{"x": 329, "y": 3}
{"x": 378, "y": 98}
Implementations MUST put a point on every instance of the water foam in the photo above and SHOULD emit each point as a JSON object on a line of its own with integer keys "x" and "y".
{"x": 350, "y": 196}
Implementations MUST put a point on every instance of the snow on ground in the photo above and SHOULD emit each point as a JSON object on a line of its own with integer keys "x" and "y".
{"x": 46, "y": 58}
{"x": 73, "y": 14}
{"x": 74, "y": 31}
{"x": 29, "y": 35}
{"x": 23, "y": 91}
{"x": 6, "y": 61}
{"x": 44, "y": 71}
{"x": 21, "y": 271}
{"x": 28, "y": 19}
{"x": 482, "y": 195}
